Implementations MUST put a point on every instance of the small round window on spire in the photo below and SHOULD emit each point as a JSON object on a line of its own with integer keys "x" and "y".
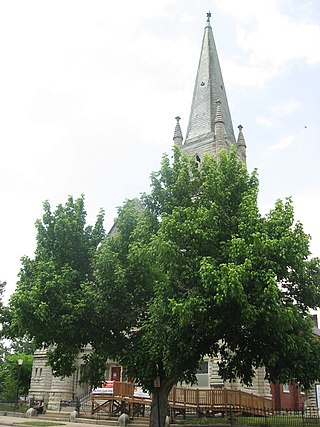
{"x": 202, "y": 84}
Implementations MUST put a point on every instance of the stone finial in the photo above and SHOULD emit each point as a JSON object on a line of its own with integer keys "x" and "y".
{"x": 177, "y": 136}
{"x": 241, "y": 145}
{"x": 241, "y": 141}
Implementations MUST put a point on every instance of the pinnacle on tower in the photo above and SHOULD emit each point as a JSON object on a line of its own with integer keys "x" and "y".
{"x": 241, "y": 141}
{"x": 219, "y": 128}
{"x": 177, "y": 136}
{"x": 219, "y": 116}
{"x": 241, "y": 145}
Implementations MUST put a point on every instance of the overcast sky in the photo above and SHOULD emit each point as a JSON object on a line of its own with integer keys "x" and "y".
{"x": 89, "y": 91}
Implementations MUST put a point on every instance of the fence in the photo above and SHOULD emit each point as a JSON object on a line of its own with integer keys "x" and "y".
{"x": 281, "y": 418}
{"x": 10, "y": 406}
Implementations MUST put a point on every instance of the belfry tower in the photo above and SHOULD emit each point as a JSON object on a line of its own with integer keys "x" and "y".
{"x": 210, "y": 127}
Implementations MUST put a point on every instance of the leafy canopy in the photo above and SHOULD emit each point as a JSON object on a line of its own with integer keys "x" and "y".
{"x": 9, "y": 375}
{"x": 49, "y": 301}
{"x": 191, "y": 269}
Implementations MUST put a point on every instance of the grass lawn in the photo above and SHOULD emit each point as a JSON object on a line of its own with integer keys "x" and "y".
{"x": 11, "y": 407}
{"x": 204, "y": 421}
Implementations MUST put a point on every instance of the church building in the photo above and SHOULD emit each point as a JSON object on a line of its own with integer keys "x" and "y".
{"x": 210, "y": 130}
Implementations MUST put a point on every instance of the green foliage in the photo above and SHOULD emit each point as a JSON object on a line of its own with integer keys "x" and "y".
{"x": 50, "y": 300}
{"x": 9, "y": 371}
{"x": 3, "y": 312}
{"x": 22, "y": 345}
{"x": 23, "y": 349}
{"x": 191, "y": 269}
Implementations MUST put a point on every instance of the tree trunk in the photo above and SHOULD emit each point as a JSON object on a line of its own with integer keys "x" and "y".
{"x": 159, "y": 405}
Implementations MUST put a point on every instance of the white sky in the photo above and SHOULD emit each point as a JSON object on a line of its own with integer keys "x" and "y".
{"x": 89, "y": 91}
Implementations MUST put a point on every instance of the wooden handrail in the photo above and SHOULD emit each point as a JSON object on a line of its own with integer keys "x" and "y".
{"x": 218, "y": 397}
{"x": 198, "y": 397}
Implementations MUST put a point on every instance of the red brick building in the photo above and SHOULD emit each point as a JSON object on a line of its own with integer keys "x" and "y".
{"x": 287, "y": 396}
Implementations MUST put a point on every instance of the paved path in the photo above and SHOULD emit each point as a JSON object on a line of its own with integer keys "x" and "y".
{"x": 7, "y": 420}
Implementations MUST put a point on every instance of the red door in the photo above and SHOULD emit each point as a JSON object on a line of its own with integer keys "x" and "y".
{"x": 115, "y": 373}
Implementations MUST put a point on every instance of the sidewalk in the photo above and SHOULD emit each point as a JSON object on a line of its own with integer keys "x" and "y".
{"x": 9, "y": 420}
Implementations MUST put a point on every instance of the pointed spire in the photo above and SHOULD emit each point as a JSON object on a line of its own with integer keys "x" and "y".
{"x": 241, "y": 145}
{"x": 209, "y": 87}
{"x": 177, "y": 136}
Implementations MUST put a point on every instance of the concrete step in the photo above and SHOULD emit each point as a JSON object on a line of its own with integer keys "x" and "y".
{"x": 92, "y": 419}
{"x": 54, "y": 416}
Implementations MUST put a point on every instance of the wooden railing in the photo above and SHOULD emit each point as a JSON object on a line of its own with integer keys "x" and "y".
{"x": 217, "y": 397}
{"x": 119, "y": 389}
{"x": 196, "y": 397}
{"x": 123, "y": 389}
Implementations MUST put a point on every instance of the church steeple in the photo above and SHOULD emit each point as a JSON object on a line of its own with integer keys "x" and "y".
{"x": 209, "y": 95}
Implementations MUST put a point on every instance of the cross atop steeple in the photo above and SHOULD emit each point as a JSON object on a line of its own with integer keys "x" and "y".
{"x": 208, "y": 16}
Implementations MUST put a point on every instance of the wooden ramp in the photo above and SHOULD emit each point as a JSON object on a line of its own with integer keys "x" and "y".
{"x": 211, "y": 401}
{"x": 182, "y": 401}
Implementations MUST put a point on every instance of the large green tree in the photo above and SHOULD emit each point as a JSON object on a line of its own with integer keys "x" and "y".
{"x": 9, "y": 375}
{"x": 191, "y": 269}
{"x": 49, "y": 302}
{"x": 11, "y": 351}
